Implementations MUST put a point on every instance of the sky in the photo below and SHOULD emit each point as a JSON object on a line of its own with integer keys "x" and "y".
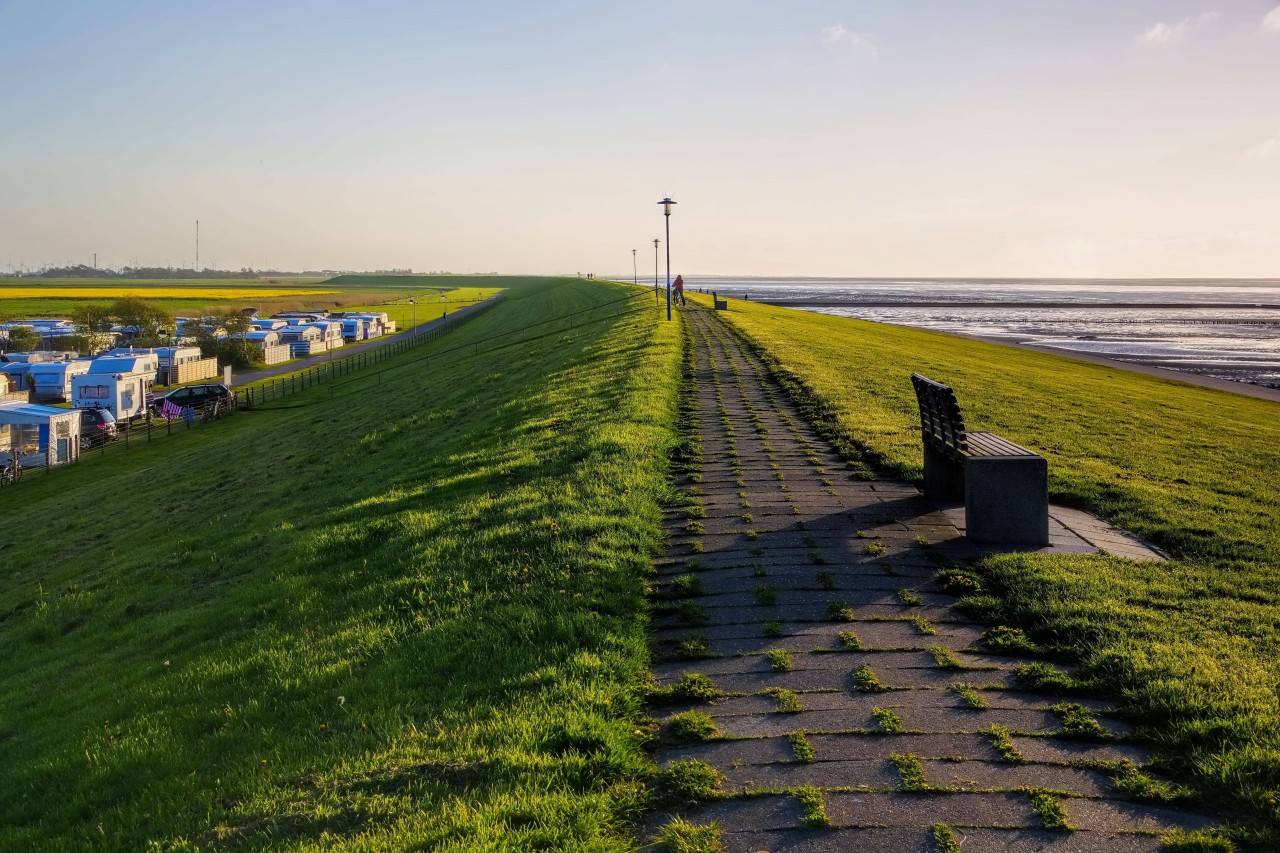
{"x": 1003, "y": 138}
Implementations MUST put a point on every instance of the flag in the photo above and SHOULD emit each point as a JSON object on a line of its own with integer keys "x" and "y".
{"x": 170, "y": 411}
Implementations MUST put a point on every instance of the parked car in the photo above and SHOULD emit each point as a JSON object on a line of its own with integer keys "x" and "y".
{"x": 97, "y": 427}
{"x": 198, "y": 397}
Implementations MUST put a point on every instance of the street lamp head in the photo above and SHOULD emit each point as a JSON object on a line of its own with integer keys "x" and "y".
{"x": 666, "y": 206}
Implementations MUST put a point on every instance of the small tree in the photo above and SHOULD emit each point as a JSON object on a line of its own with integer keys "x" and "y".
{"x": 23, "y": 339}
{"x": 149, "y": 319}
{"x": 93, "y": 327}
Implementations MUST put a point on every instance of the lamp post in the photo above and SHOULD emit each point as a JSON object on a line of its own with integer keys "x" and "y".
{"x": 656, "y": 241}
{"x": 414, "y": 303}
{"x": 666, "y": 212}
{"x": 635, "y": 272}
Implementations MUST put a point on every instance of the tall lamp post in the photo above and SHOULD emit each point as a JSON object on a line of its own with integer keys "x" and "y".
{"x": 414, "y": 303}
{"x": 666, "y": 212}
{"x": 635, "y": 271}
{"x": 656, "y": 241}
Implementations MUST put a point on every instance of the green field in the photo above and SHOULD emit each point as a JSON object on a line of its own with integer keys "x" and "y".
{"x": 411, "y": 616}
{"x": 1191, "y": 647}
{"x": 342, "y": 292}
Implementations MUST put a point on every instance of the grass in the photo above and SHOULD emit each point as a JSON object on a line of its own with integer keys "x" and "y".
{"x": 911, "y": 772}
{"x": 850, "y": 641}
{"x": 887, "y": 721}
{"x": 865, "y": 681}
{"x": 691, "y": 727}
{"x": 788, "y": 700}
{"x": 772, "y": 629}
{"x": 779, "y": 660}
{"x": 410, "y": 618}
{"x": 801, "y": 747}
{"x": 1003, "y": 640}
{"x": 945, "y": 839}
{"x": 1077, "y": 722}
{"x": 1052, "y": 814}
{"x": 841, "y": 611}
{"x": 1002, "y": 739}
{"x": 946, "y": 658}
{"x": 814, "y": 811}
{"x": 57, "y": 297}
{"x": 686, "y": 781}
{"x": 970, "y": 695}
{"x": 692, "y": 687}
{"x": 1190, "y": 645}
{"x": 681, "y": 836}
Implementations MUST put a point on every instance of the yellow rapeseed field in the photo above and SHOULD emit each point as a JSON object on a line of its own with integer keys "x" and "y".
{"x": 155, "y": 292}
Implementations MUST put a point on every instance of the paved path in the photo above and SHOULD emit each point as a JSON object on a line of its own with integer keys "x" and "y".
{"x": 866, "y": 707}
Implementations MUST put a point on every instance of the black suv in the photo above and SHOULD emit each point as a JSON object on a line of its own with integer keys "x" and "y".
{"x": 97, "y": 427}
{"x": 198, "y": 397}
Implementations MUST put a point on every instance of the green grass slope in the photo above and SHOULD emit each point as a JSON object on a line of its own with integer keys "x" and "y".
{"x": 1193, "y": 647}
{"x": 407, "y": 616}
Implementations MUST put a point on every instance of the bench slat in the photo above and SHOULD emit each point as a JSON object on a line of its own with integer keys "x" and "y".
{"x": 989, "y": 444}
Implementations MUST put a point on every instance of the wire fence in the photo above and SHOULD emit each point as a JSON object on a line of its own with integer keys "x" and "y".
{"x": 162, "y": 421}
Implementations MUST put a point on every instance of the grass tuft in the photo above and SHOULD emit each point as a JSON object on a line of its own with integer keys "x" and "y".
{"x": 945, "y": 839}
{"x": 788, "y": 700}
{"x": 969, "y": 695}
{"x": 687, "y": 781}
{"x": 849, "y": 640}
{"x": 923, "y": 626}
{"x": 801, "y": 747}
{"x": 1077, "y": 722}
{"x": 692, "y": 687}
{"x": 779, "y": 660}
{"x": 681, "y": 836}
{"x": 815, "y": 811}
{"x": 911, "y": 772}
{"x": 1052, "y": 814}
{"x": 1002, "y": 739}
{"x": 887, "y": 722}
{"x": 692, "y": 647}
{"x": 840, "y": 611}
{"x": 865, "y": 681}
{"x": 1009, "y": 641}
{"x": 945, "y": 658}
{"x": 691, "y": 727}
{"x": 772, "y": 629}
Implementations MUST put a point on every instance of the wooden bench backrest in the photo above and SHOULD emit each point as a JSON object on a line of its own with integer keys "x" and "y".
{"x": 940, "y": 420}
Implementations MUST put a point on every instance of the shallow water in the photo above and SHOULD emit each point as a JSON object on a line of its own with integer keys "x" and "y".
{"x": 1229, "y": 329}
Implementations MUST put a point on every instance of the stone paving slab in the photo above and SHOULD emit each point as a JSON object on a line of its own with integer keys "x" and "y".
{"x": 1066, "y": 751}
{"x": 908, "y": 810}
{"x": 1113, "y": 816}
{"x": 1043, "y": 841}
{"x": 768, "y": 750}
{"x": 827, "y": 841}
{"x": 865, "y": 747}
{"x": 988, "y": 776}
{"x": 878, "y": 775}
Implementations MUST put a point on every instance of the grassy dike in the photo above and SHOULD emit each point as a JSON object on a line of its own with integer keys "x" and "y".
{"x": 1191, "y": 647}
{"x": 410, "y": 616}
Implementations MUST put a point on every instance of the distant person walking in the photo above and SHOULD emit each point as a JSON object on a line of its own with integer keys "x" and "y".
{"x": 678, "y": 287}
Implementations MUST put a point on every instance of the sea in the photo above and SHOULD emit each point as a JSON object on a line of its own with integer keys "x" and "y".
{"x": 1223, "y": 328}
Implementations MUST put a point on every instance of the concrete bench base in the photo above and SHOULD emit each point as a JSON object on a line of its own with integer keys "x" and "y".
{"x": 1006, "y": 500}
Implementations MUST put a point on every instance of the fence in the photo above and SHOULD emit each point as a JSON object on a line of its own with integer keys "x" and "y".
{"x": 155, "y": 426}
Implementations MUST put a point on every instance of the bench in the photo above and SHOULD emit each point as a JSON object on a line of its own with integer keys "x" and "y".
{"x": 1005, "y": 487}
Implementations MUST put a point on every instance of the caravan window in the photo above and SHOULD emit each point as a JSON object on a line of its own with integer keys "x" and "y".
{"x": 95, "y": 392}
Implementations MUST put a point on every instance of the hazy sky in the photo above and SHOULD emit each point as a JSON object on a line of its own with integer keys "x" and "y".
{"x": 954, "y": 137}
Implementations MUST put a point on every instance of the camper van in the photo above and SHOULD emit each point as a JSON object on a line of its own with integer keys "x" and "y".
{"x": 52, "y": 380}
{"x": 119, "y": 384}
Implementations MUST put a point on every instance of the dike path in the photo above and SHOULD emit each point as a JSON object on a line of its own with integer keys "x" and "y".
{"x": 861, "y": 711}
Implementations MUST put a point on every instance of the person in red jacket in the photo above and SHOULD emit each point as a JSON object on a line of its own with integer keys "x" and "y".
{"x": 678, "y": 290}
